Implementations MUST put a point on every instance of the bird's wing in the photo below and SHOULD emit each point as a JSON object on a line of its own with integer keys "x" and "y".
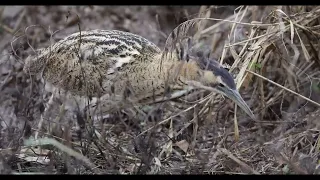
{"x": 90, "y": 57}
{"x": 115, "y": 48}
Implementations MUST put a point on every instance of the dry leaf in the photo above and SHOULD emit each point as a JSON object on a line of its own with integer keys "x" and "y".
{"x": 34, "y": 155}
{"x": 183, "y": 145}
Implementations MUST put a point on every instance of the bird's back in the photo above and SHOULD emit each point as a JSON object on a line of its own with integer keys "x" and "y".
{"x": 84, "y": 63}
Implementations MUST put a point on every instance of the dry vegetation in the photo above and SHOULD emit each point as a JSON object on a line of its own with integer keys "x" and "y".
{"x": 272, "y": 51}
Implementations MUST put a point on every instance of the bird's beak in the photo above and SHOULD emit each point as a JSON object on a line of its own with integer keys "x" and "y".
{"x": 236, "y": 97}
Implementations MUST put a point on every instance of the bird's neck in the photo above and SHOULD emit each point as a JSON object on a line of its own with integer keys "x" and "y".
{"x": 159, "y": 79}
{"x": 173, "y": 69}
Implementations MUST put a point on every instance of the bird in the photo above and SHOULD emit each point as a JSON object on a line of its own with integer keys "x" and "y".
{"x": 101, "y": 71}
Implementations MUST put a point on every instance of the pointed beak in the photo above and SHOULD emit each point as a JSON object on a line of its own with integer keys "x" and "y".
{"x": 236, "y": 97}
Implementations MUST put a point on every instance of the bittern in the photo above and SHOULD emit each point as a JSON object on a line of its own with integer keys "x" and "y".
{"x": 111, "y": 68}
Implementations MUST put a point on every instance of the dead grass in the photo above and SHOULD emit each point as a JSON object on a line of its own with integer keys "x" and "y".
{"x": 273, "y": 53}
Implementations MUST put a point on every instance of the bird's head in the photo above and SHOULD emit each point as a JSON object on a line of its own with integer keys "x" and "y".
{"x": 203, "y": 72}
{"x": 216, "y": 78}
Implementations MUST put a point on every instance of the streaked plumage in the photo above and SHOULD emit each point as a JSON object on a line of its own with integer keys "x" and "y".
{"x": 114, "y": 68}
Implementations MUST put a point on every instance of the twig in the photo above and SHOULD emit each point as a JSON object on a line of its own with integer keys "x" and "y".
{"x": 289, "y": 90}
{"x": 242, "y": 164}
{"x": 6, "y": 28}
{"x": 166, "y": 120}
{"x": 71, "y": 152}
{"x": 1, "y": 11}
{"x": 20, "y": 20}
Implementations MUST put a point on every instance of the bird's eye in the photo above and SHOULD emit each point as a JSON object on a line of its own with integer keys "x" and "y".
{"x": 221, "y": 85}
